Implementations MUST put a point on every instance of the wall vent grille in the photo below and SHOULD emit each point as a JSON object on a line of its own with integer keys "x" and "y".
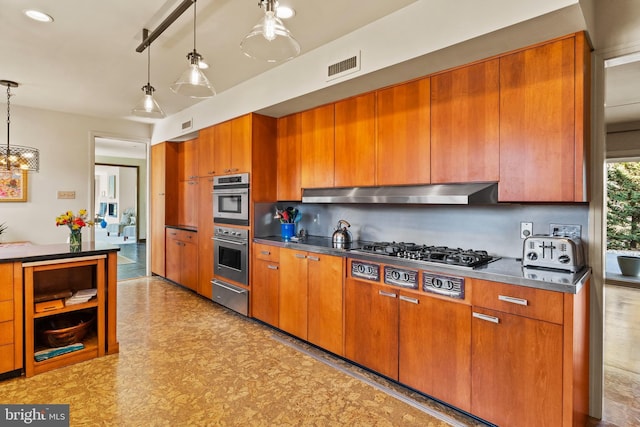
{"x": 344, "y": 67}
{"x": 187, "y": 125}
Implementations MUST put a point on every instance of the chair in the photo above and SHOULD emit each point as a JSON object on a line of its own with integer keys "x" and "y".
{"x": 126, "y": 226}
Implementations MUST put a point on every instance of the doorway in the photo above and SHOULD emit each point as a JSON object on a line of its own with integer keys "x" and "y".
{"x": 120, "y": 202}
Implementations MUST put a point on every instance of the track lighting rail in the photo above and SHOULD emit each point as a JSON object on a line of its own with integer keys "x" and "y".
{"x": 182, "y": 7}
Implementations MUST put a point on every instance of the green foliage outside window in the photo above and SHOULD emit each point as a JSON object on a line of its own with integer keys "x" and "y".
{"x": 623, "y": 206}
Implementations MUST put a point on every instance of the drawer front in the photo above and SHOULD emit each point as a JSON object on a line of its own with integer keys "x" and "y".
{"x": 6, "y": 358}
{"x": 529, "y": 302}
{"x": 267, "y": 252}
{"x": 6, "y": 311}
{"x": 6, "y": 281}
{"x": 6, "y": 333}
{"x": 182, "y": 235}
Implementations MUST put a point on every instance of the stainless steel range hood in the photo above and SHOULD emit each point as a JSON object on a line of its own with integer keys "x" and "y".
{"x": 435, "y": 194}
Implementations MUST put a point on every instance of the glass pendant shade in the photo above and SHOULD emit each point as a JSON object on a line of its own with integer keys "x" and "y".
{"x": 193, "y": 83}
{"x": 147, "y": 106}
{"x": 270, "y": 40}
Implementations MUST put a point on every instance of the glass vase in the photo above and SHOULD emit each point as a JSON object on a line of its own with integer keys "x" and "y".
{"x": 75, "y": 240}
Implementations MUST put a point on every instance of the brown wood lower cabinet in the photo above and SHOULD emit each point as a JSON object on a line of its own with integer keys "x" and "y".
{"x": 529, "y": 366}
{"x": 265, "y": 286}
{"x": 301, "y": 293}
{"x": 434, "y": 347}
{"x": 11, "y": 341}
{"x": 371, "y": 326}
{"x": 181, "y": 263}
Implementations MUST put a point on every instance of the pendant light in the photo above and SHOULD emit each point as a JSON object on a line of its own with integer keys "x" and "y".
{"x": 193, "y": 83}
{"x": 270, "y": 40}
{"x": 148, "y": 106}
{"x": 17, "y": 157}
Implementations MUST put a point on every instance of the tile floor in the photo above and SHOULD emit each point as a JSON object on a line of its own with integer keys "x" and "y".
{"x": 186, "y": 361}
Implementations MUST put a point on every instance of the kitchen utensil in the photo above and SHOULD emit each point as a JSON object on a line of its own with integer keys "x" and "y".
{"x": 341, "y": 236}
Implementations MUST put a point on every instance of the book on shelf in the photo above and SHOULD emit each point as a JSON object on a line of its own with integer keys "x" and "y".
{"x": 57, "y": 351}
{"x": 49, "y": 305}
{"x": 52, "y": 296}
{"x": 81, "y": 296}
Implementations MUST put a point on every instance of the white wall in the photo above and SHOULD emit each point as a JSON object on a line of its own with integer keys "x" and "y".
{"x": 66, "y": 163}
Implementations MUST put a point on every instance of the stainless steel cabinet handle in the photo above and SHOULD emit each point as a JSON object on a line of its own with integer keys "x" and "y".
{"x": 300, "y": 256}
{"x": 272, "y": 267}
{"x": 513, "y": 300}
{"x": 227, "y": 287}
{"x": 387, "y": 294}
{"x": 409, "y": 299}
{"x": 265, "y": 252}
{"x": 313, "y": 258}
{"x": 485, "y": 317}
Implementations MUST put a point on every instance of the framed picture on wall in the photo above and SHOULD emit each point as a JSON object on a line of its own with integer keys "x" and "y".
{"x": 112, "y": 186}
{"x": 13, "y": 186}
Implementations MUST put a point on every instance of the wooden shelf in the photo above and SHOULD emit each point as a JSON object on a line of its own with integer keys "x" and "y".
{"x": 55, "y": 277}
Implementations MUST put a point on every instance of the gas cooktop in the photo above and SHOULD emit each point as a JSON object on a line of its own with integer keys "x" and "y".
{"x": 436, "y": 254}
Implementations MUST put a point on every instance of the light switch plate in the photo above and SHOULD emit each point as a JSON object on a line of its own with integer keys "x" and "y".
{"x": 66, "y": 194}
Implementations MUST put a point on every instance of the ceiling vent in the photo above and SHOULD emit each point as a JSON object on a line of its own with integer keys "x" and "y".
{"x": 344, "y": 67}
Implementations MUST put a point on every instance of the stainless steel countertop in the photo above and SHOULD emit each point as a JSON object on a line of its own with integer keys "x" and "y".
{"x": 504, "y": 270}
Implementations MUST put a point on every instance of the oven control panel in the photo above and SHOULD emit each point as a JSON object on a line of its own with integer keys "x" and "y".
{"x": 365, "y": 270}
{"x": 401, "y": 277}
{"x": 450, "y": 286}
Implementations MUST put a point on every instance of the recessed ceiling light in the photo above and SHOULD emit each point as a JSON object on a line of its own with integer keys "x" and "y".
{"x": 285, "y": 12}
{"x": 36, "y": 15}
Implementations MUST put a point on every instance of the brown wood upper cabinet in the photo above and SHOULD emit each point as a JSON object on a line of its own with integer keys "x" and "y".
{"x": 188, "y": 160}
{"x": 318, "y": 148}
{"x": 355, "y": 136}
{"x": 543, "y": 122}
{"x": 465, "y": 144}
{"x": 205, "y": 152}
{"x": 403, "y": 137}
{"x": 232, "y": 146}
{"x": 289, "y": 155}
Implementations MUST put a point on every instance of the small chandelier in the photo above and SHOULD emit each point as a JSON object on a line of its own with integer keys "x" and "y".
{"x": 269, "y": 40}
{"x": 17, "y": 157}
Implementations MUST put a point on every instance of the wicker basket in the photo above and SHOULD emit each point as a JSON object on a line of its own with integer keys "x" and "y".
{"x": 67, "y": 330}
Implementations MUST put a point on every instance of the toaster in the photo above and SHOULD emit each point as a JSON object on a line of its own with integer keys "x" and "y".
{"x": 560, "y": 253}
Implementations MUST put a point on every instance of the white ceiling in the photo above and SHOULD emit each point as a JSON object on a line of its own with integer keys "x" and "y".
{"x": 86, "y": 63}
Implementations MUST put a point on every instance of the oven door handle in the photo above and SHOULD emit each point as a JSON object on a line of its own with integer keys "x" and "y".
{"x": 233, "y": 242}
{"x": 218, "y": 191}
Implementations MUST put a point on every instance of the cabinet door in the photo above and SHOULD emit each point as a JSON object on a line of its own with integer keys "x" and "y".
{"x": 355, "y": 141}
{"x": 205, "y": 233}
{"x": 189, "y": 266}
{"x": 188, "y": 203}
{"x": 265, "y": 291}
{"x": 325, "y": 312}
{"x": 371, "y": 326}
{"x": 173, "y": 265}
{"x": 221, "y": 148}
{"x": 188, "y": 160}
{"x": 537, "y": 124}
{"x": 289, "y": 157}
{"x": 318, "y": 149}
{"x": 241, "y": 135}
{"x": 293, "y": 292}
{"x": 516, "y": 369}
{"x": 465, "y": 144}
{"x": 205, "y": 152}
{"x": 164, "y": 203}
{"x": 404, "y": 134}
{"x": 435, "y": 348}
